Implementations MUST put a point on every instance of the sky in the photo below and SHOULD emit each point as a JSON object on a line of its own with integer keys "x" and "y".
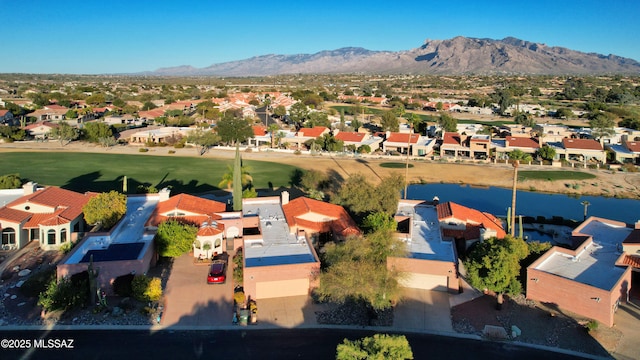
{"x": 115, "y": 36}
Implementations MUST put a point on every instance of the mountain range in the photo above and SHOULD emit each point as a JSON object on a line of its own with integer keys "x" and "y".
{"x": 457, "y": 56}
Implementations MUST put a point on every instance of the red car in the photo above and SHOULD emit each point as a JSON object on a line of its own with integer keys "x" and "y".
{"x": 217, "y": 272}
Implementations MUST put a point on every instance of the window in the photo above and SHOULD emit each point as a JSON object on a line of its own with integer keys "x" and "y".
{"x": 63, "y": 235}
{"x": 8, "y": 236}
{"x": 51, "y": 237}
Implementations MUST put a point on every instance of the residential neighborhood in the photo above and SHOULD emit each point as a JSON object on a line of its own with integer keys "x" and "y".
{"x": 300, "y": 253}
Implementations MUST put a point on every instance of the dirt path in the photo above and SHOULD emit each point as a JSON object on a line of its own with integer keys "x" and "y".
{"x": 606, "y": 183}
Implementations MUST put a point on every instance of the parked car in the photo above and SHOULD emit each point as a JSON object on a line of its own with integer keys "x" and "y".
{"x": 217, "y": 272}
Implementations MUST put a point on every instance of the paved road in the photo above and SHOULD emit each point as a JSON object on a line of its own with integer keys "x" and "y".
{"x": 251, "y": 344}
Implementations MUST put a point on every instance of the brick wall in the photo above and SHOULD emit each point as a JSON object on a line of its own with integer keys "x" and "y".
{"x": 577, "y": 297}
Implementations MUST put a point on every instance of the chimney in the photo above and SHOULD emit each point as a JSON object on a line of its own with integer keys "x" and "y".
{"x": 637, "y": 225}
{"x": 164, "y": 194}
{"x": 30, "y": 187}
{"x": 285, "y": 197}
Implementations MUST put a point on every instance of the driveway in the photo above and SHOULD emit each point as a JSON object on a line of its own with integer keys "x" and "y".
{"x": 190, "y": 301}
{"x": 423, "y": 310}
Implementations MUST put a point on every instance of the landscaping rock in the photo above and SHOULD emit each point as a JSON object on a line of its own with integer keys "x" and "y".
{"x": 20, "y": 283}
{"x": 24, "y": 272}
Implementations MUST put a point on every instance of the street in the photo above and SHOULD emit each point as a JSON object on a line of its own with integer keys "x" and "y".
{"x": 244, "y": 344}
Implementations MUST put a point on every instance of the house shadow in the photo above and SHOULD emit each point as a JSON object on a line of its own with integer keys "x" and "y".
{"x": 541, "y": 324}
{"x": 90, "y": 182}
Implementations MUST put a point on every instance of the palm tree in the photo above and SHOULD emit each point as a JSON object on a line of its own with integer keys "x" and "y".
{"x": 227, "y": 177}
{"x": 273, "y": 129}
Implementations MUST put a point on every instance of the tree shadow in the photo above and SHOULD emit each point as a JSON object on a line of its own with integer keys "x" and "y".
{"x": 366, "y": 163}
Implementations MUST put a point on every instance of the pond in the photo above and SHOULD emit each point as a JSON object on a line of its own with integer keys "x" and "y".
{"x": 496, "y": 201}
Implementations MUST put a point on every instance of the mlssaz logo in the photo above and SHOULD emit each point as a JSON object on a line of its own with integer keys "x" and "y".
{"x": 53, "y": 343}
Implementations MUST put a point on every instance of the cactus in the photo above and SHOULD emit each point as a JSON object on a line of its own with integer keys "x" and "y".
{"x": 93, "y": 280}
{"x": 521, "y": 229}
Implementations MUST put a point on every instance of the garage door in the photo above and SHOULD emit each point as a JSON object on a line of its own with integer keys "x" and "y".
{"x": 271, "y": 289}
{"x": 424, "y": 281}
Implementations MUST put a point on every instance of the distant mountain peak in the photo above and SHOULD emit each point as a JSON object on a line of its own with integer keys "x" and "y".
{"x": 459, "y": 55}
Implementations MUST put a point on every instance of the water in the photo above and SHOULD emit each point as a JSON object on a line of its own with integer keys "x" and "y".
{"x": 496, "y": 201}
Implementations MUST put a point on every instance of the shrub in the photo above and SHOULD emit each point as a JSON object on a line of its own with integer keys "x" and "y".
{"x": 297, "y": 152}
{"x": 592, "y": 325}
{"x": 122, "y": 285}
{"x": 238, "y": 272}
{"x": 238, "y": 297}
{"x": 139, "y": 285}
{"x": 143, "y": 150}
{"x": 66, "y": 247}
{"x": 172, "y": 151}
{"x": 146, "y": 289}
{"x": 37, "y": 282}
{"x": 65, "y": 294}
{"x": 179, "y": 145}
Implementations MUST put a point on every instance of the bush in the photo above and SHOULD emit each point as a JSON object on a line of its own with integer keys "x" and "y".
{"x": 238, "y": 297}
{"x": 238, "y": 272}
{"x": 146, "y": 289}
{"x": 68, "y": 293}
{"x": 592, "y": 325}
{"x": 122, "y": 285}
{"x": 143, "y": 150}
{"x": 172, "y": 151}
{"x": 37, "y": 282}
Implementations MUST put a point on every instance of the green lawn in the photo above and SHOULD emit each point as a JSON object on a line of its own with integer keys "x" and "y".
{"x": 103, "y": 172}
{"x": 395, "y": 165}
{"x": 554, "y": 175}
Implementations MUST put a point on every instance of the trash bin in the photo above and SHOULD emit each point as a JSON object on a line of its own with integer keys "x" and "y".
{"x": 243, "y": 319}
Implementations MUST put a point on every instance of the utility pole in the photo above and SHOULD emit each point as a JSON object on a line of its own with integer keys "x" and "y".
{"x": 406, "y": 169}
{"x": 513, "y": 198}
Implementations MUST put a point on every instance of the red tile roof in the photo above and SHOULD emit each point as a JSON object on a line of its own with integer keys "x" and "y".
{"x": 55, "y": 107}
{"x": 259, "y": 130}
{"x": 522, "y": 142}
{"x": 633, "y": 145}
{"x": 451, "y": 138}
{"x": 632, "y": 260}
{"x": 350, "y": 136}
{"x": 209, "y": 230}
{"x": 312, "y": 132}
{"x": 13, "y": 215}
{"x": 584, "y": 144}
{"x": 402, "y": 138}
{"x": 471, "y": 217}
{"x": 338, "y": 220}
{"x": 56, "y": 198}
{"x": 41, "y": 123}
{"x": 204, "y": 209}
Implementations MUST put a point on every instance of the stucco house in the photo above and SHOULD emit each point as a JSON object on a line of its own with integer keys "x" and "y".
{"x": 627, "y": 152}
{"x": 212, "y": 235}
{"x": 52, "y": 216}
{"x": 467, "y": 226}
{"x": 359, "y": 139}
{"x": 592, "y": 278}
{"x": 581, "y": 150}
{"x": 414, "y": 144}
{"x": 431, "y": 262}
{"x": 278, "y": 242}
{"x": 40, "y": 130}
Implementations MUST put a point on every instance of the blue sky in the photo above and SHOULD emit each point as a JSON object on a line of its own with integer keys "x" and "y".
{"x": 114, "y": 36}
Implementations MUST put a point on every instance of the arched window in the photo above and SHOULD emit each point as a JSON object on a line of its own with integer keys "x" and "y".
{"x": 217, "y": 243}
{"x": 8, "y": 236}
{"x": 63, "y": 235}
{"x": 51, "y": 237}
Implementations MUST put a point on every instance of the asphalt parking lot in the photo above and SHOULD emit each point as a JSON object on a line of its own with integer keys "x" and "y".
{"x": 190, "y": 301}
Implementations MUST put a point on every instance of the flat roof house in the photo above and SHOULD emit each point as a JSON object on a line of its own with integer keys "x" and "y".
{"x": 432, "y": 261}
{"x": 590, "y": 280}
